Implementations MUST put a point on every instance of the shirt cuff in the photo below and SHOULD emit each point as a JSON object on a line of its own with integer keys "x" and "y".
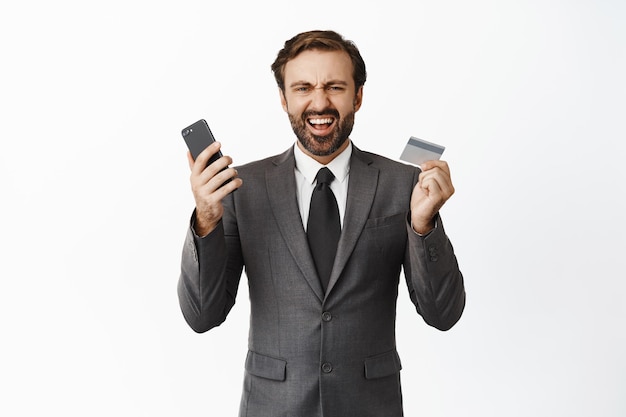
{"x": 430, "y": 231}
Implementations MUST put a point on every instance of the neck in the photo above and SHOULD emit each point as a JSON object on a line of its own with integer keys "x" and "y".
{"x": 325, "y": 159}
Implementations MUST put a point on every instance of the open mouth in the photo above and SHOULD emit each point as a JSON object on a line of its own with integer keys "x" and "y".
{"x": 321, "y": 124}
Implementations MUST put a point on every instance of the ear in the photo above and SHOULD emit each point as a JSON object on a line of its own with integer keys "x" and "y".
{"x": 283, "y": 100}
{"x": 358, "y": 99}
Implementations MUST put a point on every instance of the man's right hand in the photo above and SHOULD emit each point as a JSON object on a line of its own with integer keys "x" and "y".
{"x": 205, "y": 185}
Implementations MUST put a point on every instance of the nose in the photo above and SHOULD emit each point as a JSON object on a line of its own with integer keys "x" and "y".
{"x": 319, "y": 99}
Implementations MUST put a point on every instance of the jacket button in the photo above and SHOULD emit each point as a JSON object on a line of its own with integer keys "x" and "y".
{"x": 327, "y": 367}
{"x": 326, "y": 316}
{"x": 432, "y": 251}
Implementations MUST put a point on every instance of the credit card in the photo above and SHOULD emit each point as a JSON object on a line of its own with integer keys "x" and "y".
{"x": 418, "y": 151}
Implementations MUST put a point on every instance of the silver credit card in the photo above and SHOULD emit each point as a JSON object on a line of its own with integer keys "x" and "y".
{"x": 418, "y": 151}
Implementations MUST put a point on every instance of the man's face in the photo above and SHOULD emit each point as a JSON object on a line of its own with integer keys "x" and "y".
{"x": 320, "y": 100}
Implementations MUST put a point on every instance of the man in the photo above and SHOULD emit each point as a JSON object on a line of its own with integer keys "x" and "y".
{"x": 320, "y": 343}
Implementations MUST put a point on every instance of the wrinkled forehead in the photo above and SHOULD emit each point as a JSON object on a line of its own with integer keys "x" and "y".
{"x": 319, "y": 67}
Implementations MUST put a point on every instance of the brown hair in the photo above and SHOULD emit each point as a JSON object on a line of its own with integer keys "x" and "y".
{"x": 326, "y": 40}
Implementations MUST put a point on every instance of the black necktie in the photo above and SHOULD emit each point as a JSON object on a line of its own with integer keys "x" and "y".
{"x": 323, "y": 227}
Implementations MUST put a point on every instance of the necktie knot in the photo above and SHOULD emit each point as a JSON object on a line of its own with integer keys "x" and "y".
{"x": 324, "y": 176}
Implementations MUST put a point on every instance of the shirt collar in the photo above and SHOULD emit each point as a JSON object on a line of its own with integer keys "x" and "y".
{"x": 308, "y": 167}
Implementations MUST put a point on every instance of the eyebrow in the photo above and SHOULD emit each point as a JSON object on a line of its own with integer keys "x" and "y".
{"x": 306, "y": 83}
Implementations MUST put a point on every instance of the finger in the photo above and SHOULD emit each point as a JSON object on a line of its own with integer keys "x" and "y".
{"x": 220, "y": 178}
{"x": 431, "y": 186}
{"x": 432, "y": 164}
{"x": 218, "y": 194}
{"x": 228, "y": 188}
{"x": 437, "y": 181}
{"x": 433, "y": 167}
{"x": 440, "y": 169}
{"x": 215, "y": 169}
{"x": 205, "y": 187}
{"x": 203, "y": 158}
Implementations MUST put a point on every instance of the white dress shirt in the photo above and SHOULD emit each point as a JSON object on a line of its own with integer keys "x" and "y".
{"x": 306, "y": 170}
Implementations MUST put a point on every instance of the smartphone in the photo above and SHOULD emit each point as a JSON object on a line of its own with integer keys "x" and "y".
{"x": 198, "y": 137}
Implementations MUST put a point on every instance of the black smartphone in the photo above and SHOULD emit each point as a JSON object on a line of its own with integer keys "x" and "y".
{"x": 198, "y": 136}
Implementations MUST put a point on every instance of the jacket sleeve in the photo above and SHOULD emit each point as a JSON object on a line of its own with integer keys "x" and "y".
{"x": 211, "y": 268}
{"x": 433, "y": 277}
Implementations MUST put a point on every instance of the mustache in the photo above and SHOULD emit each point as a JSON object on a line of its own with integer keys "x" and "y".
{"x": 326, "y": 112}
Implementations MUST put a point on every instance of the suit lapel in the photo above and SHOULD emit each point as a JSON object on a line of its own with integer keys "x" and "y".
{"x": 281, "y": 188}
{"x": 361, "y": 191}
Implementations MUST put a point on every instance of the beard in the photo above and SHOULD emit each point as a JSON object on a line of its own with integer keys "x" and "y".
{"x": 322, "y": 145}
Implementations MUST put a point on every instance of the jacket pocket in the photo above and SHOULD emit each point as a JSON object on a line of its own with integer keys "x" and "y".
{"x": 382, "y": 365}
{"x": 266, "y": 366}
{"x": 399, "y": 218}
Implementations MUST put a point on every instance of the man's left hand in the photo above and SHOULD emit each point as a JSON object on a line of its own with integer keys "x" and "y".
{"x": 432, "y": 190}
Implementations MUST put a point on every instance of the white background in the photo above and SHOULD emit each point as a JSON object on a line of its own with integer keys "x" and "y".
{"x": 528, "y": 97}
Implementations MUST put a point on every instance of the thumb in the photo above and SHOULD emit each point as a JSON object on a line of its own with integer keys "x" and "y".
{"x": 425, "y": 166}
{"x": 190, "y": 160}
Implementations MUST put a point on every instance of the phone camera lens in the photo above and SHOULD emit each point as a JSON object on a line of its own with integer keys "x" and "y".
{"x": 185, "y": 132}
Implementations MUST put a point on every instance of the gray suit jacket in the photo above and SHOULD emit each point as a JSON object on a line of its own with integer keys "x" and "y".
{"x": 310, "y": 353}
